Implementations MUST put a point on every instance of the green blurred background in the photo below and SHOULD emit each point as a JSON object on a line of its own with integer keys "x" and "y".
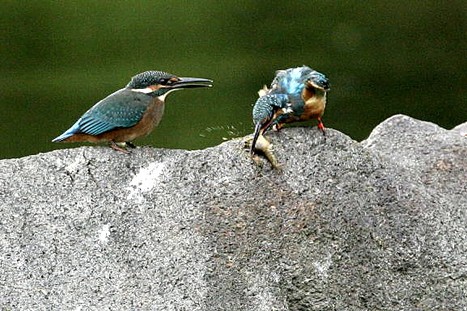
{"x": 58, "y": 58}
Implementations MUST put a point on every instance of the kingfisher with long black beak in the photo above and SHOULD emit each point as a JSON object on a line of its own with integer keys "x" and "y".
{"x": 296, "y": 94}
{"x": 129, "y": 113}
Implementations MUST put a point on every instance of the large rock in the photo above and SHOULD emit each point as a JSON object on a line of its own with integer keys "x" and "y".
{"x": 376, "y": 225}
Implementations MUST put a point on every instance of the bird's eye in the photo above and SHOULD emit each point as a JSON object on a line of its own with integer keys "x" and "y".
{"x": 163, "y": 81}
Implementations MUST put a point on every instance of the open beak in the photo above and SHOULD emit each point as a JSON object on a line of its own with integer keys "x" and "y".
{"x": 185, "y": 83}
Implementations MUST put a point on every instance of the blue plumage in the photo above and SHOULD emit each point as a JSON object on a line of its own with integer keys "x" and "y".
{"x": 292, "y": 81}
{"x": 266, "y": 105}
{"x": 295, "y": 94}
{"x": 111, "y": 113}
{"x": 131, "y": 112}
{"x": 264, "y": 111}
{"x": 68, "y": 133}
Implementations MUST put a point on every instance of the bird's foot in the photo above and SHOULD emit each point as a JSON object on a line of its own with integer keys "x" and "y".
{"x": 321, "y": 127}
{"x": 264, "y": 146}
{"x": 115, "y": 146}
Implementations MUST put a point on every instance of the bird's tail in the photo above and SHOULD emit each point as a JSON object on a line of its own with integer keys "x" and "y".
{"x": 70, "y": 132}
{"x": 255, "y": 137}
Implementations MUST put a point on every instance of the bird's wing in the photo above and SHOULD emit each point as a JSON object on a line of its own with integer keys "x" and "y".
{"x": 263, "y": 113}
{"x": 121, "y": 109}
{"x": 265, "y": 107}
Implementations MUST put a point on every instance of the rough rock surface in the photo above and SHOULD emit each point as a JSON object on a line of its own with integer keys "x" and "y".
{"x": 376, "y": 225}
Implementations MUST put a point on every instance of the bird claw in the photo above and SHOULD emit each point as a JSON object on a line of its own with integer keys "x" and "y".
{"x": 321, "y": 126}
{"x": 115, "y": 146}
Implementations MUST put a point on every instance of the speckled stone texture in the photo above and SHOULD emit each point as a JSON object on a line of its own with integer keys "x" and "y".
{"x": 376, "y": 225}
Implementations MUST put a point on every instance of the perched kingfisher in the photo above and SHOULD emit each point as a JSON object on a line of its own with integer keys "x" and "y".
{"x": 130, "y": 112}
{"x": 296, "y": 94}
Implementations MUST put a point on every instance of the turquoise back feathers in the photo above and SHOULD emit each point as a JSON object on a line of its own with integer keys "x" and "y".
{"x": 130, "y": 112}
{"x": 295, "y": 94}
{"x": 292, "y": 81}
{"x": 266, "y": 106}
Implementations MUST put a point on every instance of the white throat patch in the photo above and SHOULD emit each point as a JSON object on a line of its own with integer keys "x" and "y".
{"x": 146, "y": 90}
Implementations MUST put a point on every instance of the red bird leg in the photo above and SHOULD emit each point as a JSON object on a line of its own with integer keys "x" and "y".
{"x": 321, "y": 126}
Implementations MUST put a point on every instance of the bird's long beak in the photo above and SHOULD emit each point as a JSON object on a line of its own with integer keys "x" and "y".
{"x": 185, "y": 83}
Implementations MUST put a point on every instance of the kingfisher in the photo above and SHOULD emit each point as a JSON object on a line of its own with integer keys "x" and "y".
{"x": 295, "y": 94}
{"x": 130, "y": 112}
